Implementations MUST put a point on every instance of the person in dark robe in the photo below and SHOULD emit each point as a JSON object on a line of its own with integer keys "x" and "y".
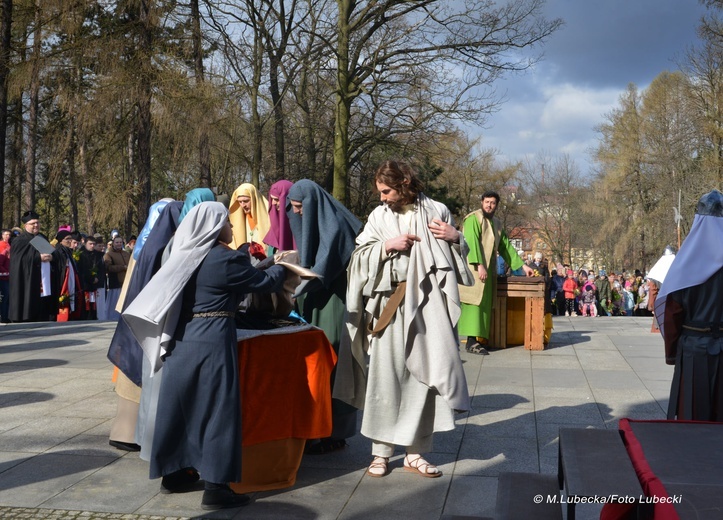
{"x": 184, "y": 321}
{"x": 68, "y": 283}
{"x": 325, "y": 233}
{"x": 124, "y": 351}
{"x": 29, "y": 300}
{"x": 89, "y": 278}
{"x": 132, "y": 428}
{"x": 689, "y": 311}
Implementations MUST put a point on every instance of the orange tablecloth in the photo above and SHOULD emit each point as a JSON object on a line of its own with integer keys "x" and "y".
{"x": 285, "y": 399}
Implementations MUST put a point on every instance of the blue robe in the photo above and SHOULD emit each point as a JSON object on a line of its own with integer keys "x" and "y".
{"x": 124, "y": 351}
{"x": 198, "y": 423}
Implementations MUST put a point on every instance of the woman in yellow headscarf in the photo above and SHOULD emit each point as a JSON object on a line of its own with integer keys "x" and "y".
{"x": 249, "y": 215}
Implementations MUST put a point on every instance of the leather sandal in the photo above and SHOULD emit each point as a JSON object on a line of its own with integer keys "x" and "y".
{"x": 379, "y": 463}
{"x": 421, "y": 467}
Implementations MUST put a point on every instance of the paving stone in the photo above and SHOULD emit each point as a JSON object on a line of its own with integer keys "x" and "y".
{"x": 57, "y": 403}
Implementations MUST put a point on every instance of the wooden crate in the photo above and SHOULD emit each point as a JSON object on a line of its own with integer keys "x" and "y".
{"x": 519, "y": 314}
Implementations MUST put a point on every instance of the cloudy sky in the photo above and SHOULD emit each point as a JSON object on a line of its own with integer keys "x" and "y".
{"x": 603, "y": 46}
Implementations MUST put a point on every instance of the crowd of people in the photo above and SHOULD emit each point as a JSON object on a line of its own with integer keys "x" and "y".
{"x": 378, "y": 291}
{"x": 392, "y": 295}
{"x": 72, "y": 276}
{"x": 587, "y": 293}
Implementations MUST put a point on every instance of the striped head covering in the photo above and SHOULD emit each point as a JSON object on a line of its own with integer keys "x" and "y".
{"x": 259, "y": 214}
{"x": 280, "y": 236}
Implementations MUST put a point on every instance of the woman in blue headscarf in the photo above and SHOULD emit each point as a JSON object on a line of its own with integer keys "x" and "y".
{"x": 325, "y": 233}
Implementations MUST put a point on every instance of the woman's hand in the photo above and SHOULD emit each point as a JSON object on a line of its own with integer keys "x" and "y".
{"x": 400, "y": 243}
{"x": 443, "y": 231}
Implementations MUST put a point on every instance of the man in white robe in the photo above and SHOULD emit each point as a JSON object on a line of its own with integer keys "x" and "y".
{"x": 409, "y": 250}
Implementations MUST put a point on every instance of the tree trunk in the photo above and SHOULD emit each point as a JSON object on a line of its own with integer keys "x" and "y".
{"x": 258, "y": 129}
{"x": 72, "y": 177}
{"x": 343, "y": 104}
{"x": 278, "y": 117}
{"x": 87, "y": 192}
{"x": 32, "y": 143}
{"x": 131, "y": 170}
{"x": 144, "y": 112}
{"x": 204, "y": 151}
{"x": 16, "y": 160}
{"x": 5, "y": 33}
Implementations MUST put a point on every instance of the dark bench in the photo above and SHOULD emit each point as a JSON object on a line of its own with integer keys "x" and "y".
{"x": 464, "y": 517}
{"x": 518, "y": 496}
{"x": 594, "y": 463}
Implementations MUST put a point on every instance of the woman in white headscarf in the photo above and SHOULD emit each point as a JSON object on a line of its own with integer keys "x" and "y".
{"x": 689, "y": 311}
{"x": 184, "y": 320}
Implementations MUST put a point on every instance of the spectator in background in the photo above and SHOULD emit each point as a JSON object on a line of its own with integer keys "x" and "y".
{"x": 130, "y": 245}
{"x": 539, "y": 267}
{"x": 588, "y": 305}
{"x": 69, "y": 287}
{"x": 5, "y": 242}
{"x": 116, "y": 265}
{"x": 89, "y": 279}
{"x": 641, "y": 306}
{"x": 4, "y": 275}
{"x": 570, "y": 290}
{"x": 556, "y": 293}
{"x": 32, "y": 276}
{"x": 604, "y": 296}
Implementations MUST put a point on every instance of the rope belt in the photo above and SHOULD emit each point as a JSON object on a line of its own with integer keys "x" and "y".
{"x": 389, "y": 309}
{"x": 700, "y": 329}
{"x": 214, "y": 314}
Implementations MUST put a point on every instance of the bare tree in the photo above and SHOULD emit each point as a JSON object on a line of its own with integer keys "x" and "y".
{"x": 554, "y": 187}
{"x": 464, "y": 45}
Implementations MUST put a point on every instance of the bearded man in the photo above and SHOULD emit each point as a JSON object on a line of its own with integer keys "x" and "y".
{"x": 403, "y": 304}
{"x": 486, "y": 238}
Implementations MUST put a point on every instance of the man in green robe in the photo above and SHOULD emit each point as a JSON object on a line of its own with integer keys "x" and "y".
{"x": 486, "y": 238}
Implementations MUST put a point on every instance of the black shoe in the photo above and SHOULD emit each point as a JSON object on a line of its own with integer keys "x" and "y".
{"x": 179, "y": 481}
{"x": 325, "y": 446}
{"x": 125, "y": 446}
{"x": 477, "y": 348}
{"x": 222, "y": 498}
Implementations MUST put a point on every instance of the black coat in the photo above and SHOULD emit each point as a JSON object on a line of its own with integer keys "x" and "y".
{"x": 25, "y": 301}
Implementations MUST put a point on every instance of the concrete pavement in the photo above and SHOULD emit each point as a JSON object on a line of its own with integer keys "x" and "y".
{"x": 57, "y": 402}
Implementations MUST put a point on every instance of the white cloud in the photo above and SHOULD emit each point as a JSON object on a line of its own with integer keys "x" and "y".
{"x": 569, "y": 105}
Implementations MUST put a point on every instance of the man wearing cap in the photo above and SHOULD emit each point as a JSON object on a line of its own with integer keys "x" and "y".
{"x": 486, "y": 238}
{"x": 689, "y": 311}
{"x": 31, "y": 276}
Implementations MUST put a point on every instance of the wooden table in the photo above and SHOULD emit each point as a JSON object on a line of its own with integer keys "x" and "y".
{"x": 285, "y": 385}
{"x": 518, "y": 317}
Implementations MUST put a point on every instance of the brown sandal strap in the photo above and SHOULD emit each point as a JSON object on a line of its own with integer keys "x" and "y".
{"x": 422, "y": 466}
